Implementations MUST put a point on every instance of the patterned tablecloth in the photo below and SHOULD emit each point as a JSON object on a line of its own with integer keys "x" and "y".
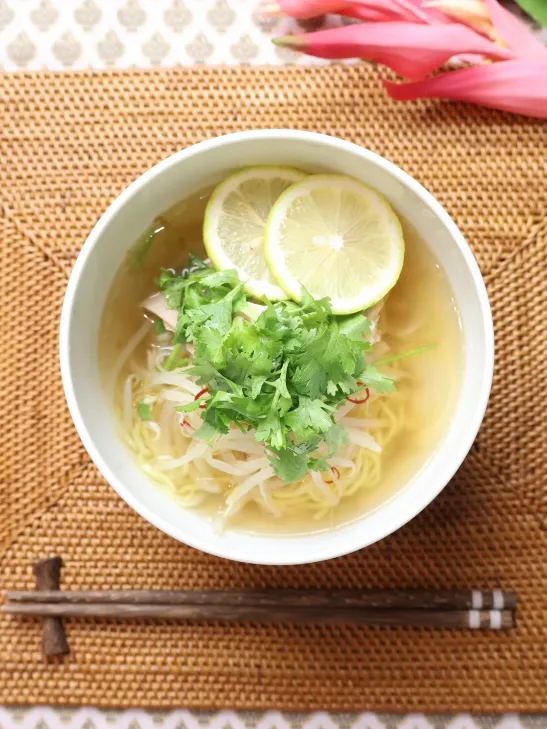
{"x": 59, "y": 34}
{"x": 42, "y": 717}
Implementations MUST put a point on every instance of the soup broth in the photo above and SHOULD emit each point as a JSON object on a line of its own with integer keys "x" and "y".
{"x": 409, "y": 424}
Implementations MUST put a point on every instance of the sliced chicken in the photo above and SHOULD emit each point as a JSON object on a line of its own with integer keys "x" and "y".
{"x": 157, "y": 305}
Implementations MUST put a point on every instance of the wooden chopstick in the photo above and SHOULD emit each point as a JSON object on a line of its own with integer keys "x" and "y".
{"x": 381, "y": 599}
{"x": 457, "y": 609}
{"x": 491, "y": 619}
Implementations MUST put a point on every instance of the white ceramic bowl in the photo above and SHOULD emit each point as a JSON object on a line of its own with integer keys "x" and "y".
{"x": 170, "y": 181}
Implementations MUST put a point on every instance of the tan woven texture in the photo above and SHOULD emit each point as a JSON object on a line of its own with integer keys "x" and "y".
{"x": 68, "y": 145}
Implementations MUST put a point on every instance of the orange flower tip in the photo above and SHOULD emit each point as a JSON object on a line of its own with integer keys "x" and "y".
{"x": 471, "y": 12}
{"x": 462, "y": 7}
{"x": 288, "y": 41}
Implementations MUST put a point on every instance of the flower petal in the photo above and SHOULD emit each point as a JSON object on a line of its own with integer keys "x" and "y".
{"x": 375, "y": 10}
{"x": 304, "y": 9}
{"x": 514, "y": 33}
{"x": 517, "y": 86}
{"x": 410, "y": 10}
{"x": 410, "y": 49}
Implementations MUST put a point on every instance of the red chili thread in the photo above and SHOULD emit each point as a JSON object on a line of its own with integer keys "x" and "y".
{"x": 335, "y": 472}
{"x": 201, "y": 392}
{"x": 357, "y": 400}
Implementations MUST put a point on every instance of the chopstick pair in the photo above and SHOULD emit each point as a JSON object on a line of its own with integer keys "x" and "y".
{"x": 456, "y": 609}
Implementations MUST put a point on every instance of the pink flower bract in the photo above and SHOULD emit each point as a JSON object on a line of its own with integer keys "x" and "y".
{"x": 518, "y": 86}
{"x": 374, "y": 10}
{"x": 514, "y": 33}
{"x": 412, "y": 50}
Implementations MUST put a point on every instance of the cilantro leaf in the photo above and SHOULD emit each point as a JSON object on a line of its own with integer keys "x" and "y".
{"x": 189, "y": 407}
{"x": 318, "y": 464}
{"x": 289, "y": 466}
{"x": 309, "y": 418}
{"x": 280, "y": 372}
{"x": 375, "y": 380}
{"x": 335, "y": 438}
{"x": 269, "y": 430}
{"x": 207, "y": 433}
{"x": 354, "y": 326}
{"x": 196, "y": 264}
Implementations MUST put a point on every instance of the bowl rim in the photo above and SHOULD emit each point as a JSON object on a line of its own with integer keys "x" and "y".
{"x": 413, "y": 507}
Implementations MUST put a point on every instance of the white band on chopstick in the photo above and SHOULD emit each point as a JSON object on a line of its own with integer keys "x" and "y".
{"x": 494, "y": 616}
{"x": 474, "y": 619}
{"x": 476, "y": 599}
{"x": 495, "y": 619}
{"x": 498, "y": 602}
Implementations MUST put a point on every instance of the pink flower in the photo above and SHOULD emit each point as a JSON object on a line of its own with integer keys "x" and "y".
{"x": 375, "y": 10}
{"x": 518, "y": 86}
{"x": 415, "y": 38}
{"x": 412, "y": 50}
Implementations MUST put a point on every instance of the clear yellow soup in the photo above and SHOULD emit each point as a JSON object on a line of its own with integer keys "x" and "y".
{"x": 409, "y": 424}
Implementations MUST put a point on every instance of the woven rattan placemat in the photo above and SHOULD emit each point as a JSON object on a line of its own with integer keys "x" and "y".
{"x": 68, "y": 144}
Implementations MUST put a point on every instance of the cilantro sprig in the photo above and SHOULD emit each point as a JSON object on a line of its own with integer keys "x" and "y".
{"x": 281, "y": 373}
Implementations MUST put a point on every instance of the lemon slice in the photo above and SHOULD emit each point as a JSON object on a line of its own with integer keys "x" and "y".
{"x": 235, "y": 218}
{"x": 336, "y": 237}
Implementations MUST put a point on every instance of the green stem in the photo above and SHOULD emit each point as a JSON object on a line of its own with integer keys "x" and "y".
{"x": 403, "y": 355}
{"x": 171, "y": 360}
